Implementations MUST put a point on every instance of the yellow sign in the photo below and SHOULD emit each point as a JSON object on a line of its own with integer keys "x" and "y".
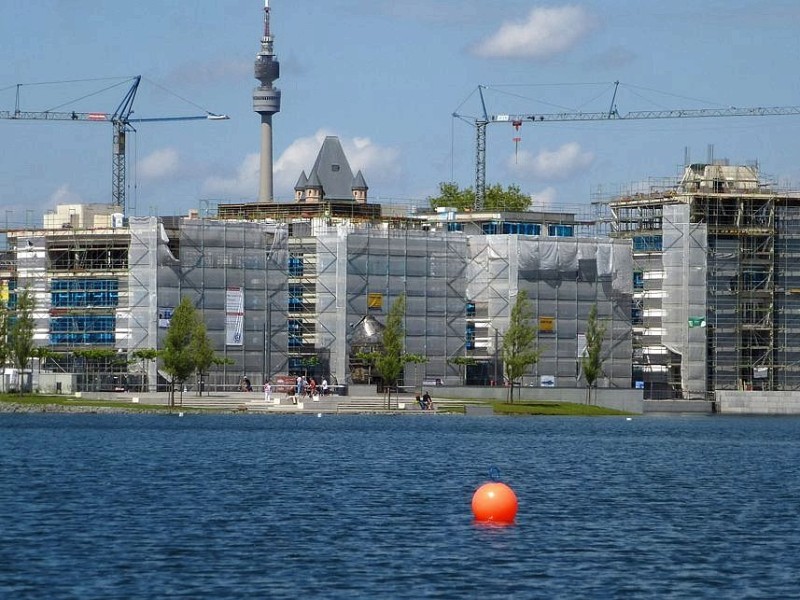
{"x": 547, "y": 324}
{"x": 374, "y": 300}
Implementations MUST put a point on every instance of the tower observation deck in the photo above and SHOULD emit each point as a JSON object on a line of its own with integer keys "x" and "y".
{"x": 266, "y": 102}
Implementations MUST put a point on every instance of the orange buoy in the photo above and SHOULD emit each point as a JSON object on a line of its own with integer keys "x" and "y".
{"x": 494, "y": 502}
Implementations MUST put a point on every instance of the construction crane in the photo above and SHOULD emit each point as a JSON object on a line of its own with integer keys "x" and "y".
{"x": 121, "y": 122}
{"x": 612, "y": 114}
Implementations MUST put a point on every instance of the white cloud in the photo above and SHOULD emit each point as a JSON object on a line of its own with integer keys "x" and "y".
{"x": 160, "y": 164}
{"x": 545, "y": 33}
{"x": 378, "y": 163}
{"x": 243, "y": 184}
{"x": 544, "y": 199}
{"x": 64, "y": 195}
{"x": 558, "y": 164}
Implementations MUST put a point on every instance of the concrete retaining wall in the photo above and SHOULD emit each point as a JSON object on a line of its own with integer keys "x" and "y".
{"x": 627, "y": 400}
{"x": 758, "y": 403}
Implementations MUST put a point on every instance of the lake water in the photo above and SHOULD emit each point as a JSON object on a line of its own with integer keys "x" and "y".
{"x": 245, "y": 506}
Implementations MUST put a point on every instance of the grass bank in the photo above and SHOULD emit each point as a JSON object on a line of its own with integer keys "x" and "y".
{"x": 43, "y": 401}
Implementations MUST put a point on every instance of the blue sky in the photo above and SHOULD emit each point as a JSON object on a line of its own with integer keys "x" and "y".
{"x": 386, "y": 76}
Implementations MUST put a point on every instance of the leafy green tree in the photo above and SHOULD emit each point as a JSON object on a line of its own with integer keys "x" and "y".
{"x": 42, "y": 353}
{"x": 463, "y": 361}
{"x": 591, "y": 361}
{"x": 145, "y": 355}
{"x": 451, "y": 195}
{"x": 4, "y": 349}
{"x": 510, "y": 198}
{"x": 177, "y": 354}
{"x": 202, "y": 352}
{"x": 520, "y": 350}
{"x": 96, "y": 360}
{"x": 392, "y": 358}
{"x": 20, "y": 333}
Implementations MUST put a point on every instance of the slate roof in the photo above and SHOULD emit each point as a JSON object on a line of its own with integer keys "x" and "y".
{"x": 332, "y": 171}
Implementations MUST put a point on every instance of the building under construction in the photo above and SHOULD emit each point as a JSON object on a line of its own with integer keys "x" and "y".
{"x": 716, "y": 283}
{"x": 305, "y": 288}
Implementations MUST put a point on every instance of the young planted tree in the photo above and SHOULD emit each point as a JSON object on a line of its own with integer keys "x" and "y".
{"x": 96, "y": 360}
{"x": 178, "y": 357}
{"x": 145, "y": 355}
{"x": 20, "y": 333}
{"x": 591, "y": 361}
{"x": 391, "y": 360}
{"x": 203, "y": 353}
{"x": 4, "y": 350}
{"x": 520, "y": 350}
{"x": 463, "y": 361}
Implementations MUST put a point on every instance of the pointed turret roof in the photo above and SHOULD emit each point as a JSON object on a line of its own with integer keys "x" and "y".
{"x": 359, "y": 183}
{"x": 302, "y": 182}
{"x": 314, "y": 181}
{"x": 332, "y": 171}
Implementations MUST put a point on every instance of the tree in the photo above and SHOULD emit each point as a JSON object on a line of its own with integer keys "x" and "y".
{"x": 20, "y": 333}
{"x": 177, "y": 354}
{"x": 520, "y": 350}
{"x": 203, "y": 353}
{"x": 4, "y": 349}
{"x": 510, "y": 199}
{"x": 497, "y": 198}
{"x": 591, "y": 362}
{"x": 145, "y": 355}
{"x": 463, "y": 361}
{"x": 392, "y": 358}
{"x": 451, "y": 195}
{"x": 95, "y": 361}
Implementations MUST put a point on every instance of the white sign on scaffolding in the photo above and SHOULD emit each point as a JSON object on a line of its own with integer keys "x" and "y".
{"x": 234, "y": 316}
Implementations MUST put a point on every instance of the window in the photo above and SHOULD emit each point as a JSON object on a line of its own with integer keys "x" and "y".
{"x": 469, "y": 336}
{"x": 647, "y": 243}
{"x": 295, "y": 266}
{"x": 84, "y": 293}
{"x": 560, "y": 230}
{"x": 74, "y": 330}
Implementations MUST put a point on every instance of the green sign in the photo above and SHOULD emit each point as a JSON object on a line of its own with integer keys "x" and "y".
{"x": 697, "y": 321}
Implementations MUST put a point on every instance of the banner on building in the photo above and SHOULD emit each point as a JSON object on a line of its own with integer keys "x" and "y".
{"x": 164, "y": 317}
{"x": 548, "y": 381}
{"x": 234, "y": 316}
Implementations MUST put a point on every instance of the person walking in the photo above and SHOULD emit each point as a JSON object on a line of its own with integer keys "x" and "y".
{"x": 267, "y": 392}
{"x": 324, "y": 386}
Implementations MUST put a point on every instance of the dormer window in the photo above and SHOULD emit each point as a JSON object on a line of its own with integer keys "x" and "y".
{"x": 335, "y": 168}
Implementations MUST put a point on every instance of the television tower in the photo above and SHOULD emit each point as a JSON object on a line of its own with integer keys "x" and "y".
{"x": 266, "y": 102}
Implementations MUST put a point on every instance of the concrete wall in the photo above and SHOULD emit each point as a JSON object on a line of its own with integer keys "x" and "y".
{"x": 48, "y": 383}
{"x": 758, "y": 403}
{"x": 627, "y": 400}
{"x": 674, "y": 407}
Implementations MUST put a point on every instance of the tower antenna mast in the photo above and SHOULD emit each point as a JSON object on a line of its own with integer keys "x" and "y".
{"x": 266, "y": 102}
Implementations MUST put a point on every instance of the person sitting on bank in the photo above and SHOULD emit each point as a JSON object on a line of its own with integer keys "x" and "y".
{"x": 427, "y": 401}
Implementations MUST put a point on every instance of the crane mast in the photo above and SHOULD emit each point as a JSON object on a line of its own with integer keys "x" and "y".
{"x": 121, "y": 122}
{"x": 483, "y": 121}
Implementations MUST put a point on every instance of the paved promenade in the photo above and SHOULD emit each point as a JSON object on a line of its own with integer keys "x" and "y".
{"x": 279, "y": 403}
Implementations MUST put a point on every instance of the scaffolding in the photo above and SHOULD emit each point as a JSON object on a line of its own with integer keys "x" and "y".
{"x": 714, "y": 266}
